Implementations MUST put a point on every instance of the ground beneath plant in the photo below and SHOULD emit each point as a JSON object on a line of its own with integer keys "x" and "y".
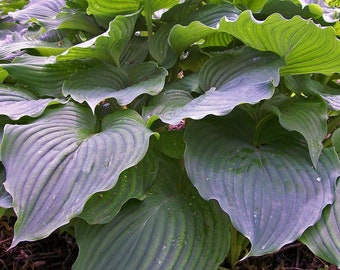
{"x": 59, "y": 251}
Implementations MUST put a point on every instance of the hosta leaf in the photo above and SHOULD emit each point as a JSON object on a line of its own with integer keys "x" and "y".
{"x": 5, "y": 198}
{"x": 330, "y": 14}
{"x": 44, "y": 11}
{"x": 170, "y": 229}
{"x": 243, "y": 76}
{"x": 135, "y": 52}
{"x": 290, "y": 8}
{"x": 162, "y": 4}
{"x": 17, "y": 42}
{"x": 42, "y": 74}
{"x": 54, "y": 164}
{"x": 204, "y": 23}
{"x": 109, "y": 46}
{"x": 163, "y": 106}
{"x": 171, "y": 144}
{"x": 160, "y": 49}
{"x": 80, "y": 22}
{"x": 183, "y": 36}
{"x": 306, "y": 47}
{"x": 323, "y": 239}
{"x": 308, "y": 86}
{"x": 16, "y": 103}
{"x": 336, "y": 140}
{"x": 132, "y": 183}
{"x": 254, "y": 5}
{"x": 109, "y": 9}
{"x": 188, "y": 83}
{"x": 103, "y": 81}
{"x": 306, "y": 116}
{"x": 262, "y": 187}
{"x": 9, "y": 6}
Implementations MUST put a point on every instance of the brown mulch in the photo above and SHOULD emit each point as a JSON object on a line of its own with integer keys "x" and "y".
{"x": 59, "y": 251}
{"x": 56, "y": 252}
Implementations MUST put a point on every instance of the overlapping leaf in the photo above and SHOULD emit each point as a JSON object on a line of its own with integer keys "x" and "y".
{"x": 336, "y": 140}
{"x": 108, "y": 46}
{"x": 43, "y": 75}
{"x": 173, "y": 228}
{"x": 204, "y": 24}
{"x": 323, "y": 239}
{"x": 306, "y": 116}
{"x": 54, "y": 164}
{"x": 43, "y": 11}
{"x": 243, "y": 76}
{"x": 262, "y": 187}
{"x": 16, "y": 103}
{"x": 132, "y": 183}
{"x": 308, "y": 86}
{"x": 104, "y": 81}
{"x": 306, "y": 47}
{"x": 110, "y": 9}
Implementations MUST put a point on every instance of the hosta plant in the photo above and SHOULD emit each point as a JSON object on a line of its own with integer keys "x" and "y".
{"x": 172, "y": 134}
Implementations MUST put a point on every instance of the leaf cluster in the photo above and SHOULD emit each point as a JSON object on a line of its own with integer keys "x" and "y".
{"x": 172, "y": 134}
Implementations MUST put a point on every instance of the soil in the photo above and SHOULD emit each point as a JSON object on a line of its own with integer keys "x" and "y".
{"x": 59, "y": 251}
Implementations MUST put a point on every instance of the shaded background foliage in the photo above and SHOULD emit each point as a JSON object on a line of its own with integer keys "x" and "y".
{"x": 171, "y": 134}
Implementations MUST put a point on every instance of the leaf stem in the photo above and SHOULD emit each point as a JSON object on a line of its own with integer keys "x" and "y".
{"x": 259, "y": 127}
{"x": 148, "y": 17}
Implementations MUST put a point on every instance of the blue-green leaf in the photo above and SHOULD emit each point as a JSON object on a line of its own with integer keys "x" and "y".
{"x": 263, "y": 187}
{"x": 16, "y": 103}
{"x": 306, "y": 116}
{"x": 172, "y": 228}
{"x": 103, "y": 81}
{"x": 237, "y": 77}
{"x": 323, "y": 239}
{"x": 54, "y": 164}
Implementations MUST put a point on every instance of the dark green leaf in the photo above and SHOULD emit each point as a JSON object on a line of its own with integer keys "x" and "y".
{"x": 107, "y": 47}
{"x": 323, "y": 239}
{"x": 263, "y": 187}
{"x": 306, "y": 116}
{"x": 171, "y": 229}
{"x": 103, "y": 81}
{"x": 132, "y": 183}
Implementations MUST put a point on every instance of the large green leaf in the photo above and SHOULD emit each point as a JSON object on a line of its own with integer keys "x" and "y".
{"x": 323, "y": 239}
{"x": 306, "y": 47}
{"x": 173, "y": 228}
{"x": 54, "y": 164}
{"x": 109, "y": 46}
{"x": 43, "y": 75}
{"x": 241, "y": 76}
{"x": 16, "y": 103}
{"x": 132, "y": 183}
{"x": 306, "y": 116}
{"x": 103, "y": 81}
{"x": 204, "y": 23}
{"x": 262, "y": 187}
{"x": 109, "y": 9}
